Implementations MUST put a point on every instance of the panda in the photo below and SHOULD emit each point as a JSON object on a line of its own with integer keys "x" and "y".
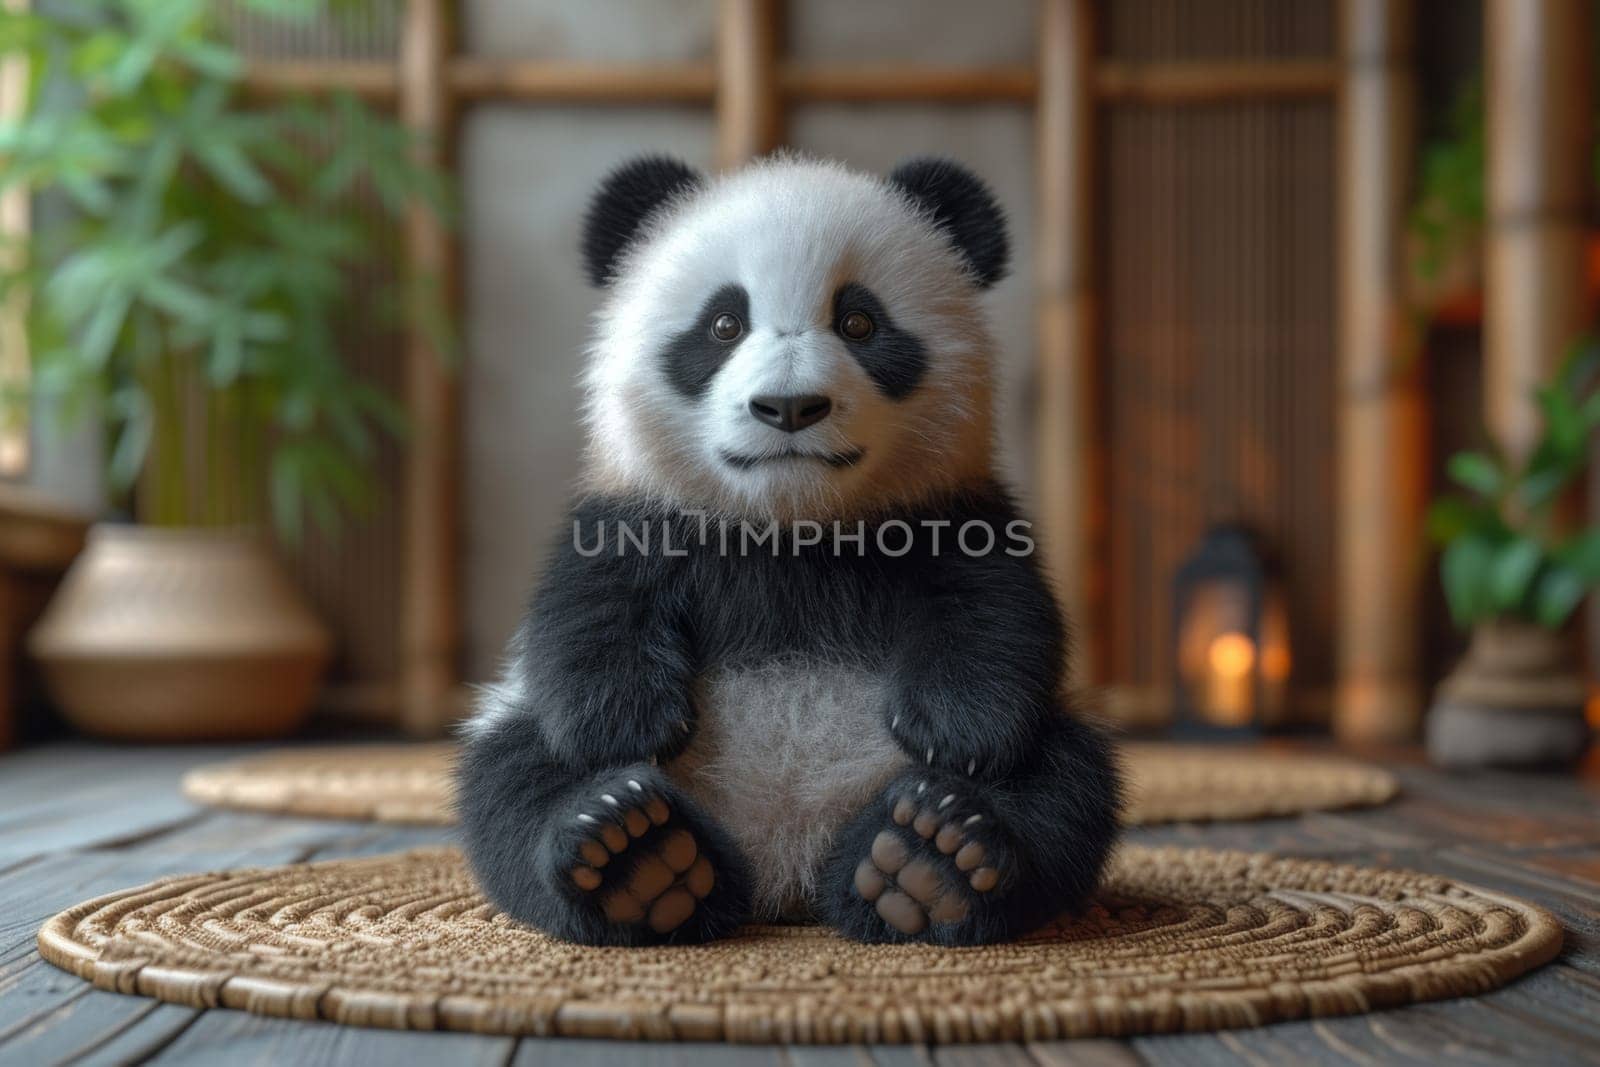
{"x": 795, "y": 660}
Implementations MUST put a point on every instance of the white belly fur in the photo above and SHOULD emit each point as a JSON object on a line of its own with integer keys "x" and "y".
{"x": 782, "y": 755}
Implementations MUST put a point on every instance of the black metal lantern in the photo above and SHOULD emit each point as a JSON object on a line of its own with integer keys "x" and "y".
{"x": 1230, "y": 638}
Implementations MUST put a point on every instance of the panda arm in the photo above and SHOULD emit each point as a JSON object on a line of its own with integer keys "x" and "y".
{"x": 978, "y": 664}
{"x": 605, "y": 659}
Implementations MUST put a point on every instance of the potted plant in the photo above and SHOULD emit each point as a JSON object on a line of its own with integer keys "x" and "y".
{"x": 1515, "y": 568}
{"x": 193, "y": 255}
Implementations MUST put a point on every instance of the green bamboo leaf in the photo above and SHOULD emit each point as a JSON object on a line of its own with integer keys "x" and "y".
{"x": 105, "y": 325}
{"x": 1451, "y": 517}
{"x": 211, "y": 59}
{"x": 230, "y": 166}
{"x": 1464, "y": 569}
{"x": 136, "y": 431}
{"x": 227, "y": 350}
{"x": 1560, "y": 591}
{"x": 1590, "y": 411}
{"x": 1563, "y": 424}
{"x": 88, "y": 193}
{"x": 179, "y": 299}
{"x": 265, "y": 326}
{"x": 1477, "y": 471}
{"x": 1512, "y": 573}
{"x": 1582, "y": 555}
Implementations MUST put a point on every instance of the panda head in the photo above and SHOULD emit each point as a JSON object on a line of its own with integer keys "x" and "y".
{"x": 793, "y": 340}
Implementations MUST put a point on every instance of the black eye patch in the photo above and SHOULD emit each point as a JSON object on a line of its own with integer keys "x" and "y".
{"x": 693, "y": 357}
{"x": 893, "y": 359}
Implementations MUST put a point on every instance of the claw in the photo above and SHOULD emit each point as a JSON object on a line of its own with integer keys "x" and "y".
{"x": 895, "y": 725}
{"x": 635, "y": 786}
{"x": 683, "y": 724}
{"x": 972, "y": 819}
{"x": 922, "y": 787}
{"x": 950, "y": 798}
{"x": 609, "y": 799}
{"x": 972, "y": 765}
{"x": 930, "y": 756}
{"x": 586, "y": 818}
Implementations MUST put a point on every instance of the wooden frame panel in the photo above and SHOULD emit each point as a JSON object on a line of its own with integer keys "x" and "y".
{"x": 430, "y": 606}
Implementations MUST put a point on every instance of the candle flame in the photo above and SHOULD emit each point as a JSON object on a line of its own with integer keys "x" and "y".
{"x": 1232, "y": 655}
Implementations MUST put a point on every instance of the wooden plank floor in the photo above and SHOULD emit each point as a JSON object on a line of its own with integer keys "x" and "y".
{"x": 78, "y": 820}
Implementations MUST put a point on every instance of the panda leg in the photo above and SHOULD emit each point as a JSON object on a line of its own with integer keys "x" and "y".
{"x": 611, "y": 857}
{"x": 943, "y": 858}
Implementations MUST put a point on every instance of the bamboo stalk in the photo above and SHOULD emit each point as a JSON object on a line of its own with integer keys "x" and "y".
{"x": 1382, "y": 469}
{"x": 430, "y": 605}
{"x": 1538, "y": 175}
{"x": 1070, "y": 462}
{"x": 749, "y": 109}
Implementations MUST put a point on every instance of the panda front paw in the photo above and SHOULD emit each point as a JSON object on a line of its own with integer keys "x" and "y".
{"x": 638, "y": 866}
{"x": 929, "y": 861}
{"x": 943, "y": 746}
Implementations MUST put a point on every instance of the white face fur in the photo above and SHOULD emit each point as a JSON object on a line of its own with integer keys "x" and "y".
{"x": 670, "y": 404}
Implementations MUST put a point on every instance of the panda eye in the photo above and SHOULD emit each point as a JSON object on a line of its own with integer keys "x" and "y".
{"x": 726, "y": 327}
{"x": 856, "y": 326}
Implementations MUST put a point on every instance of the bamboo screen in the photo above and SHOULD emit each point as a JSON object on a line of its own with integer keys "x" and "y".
{"x": 1217, "y": 245}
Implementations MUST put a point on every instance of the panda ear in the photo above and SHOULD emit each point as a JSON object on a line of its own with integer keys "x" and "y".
{"x": 627, "y": 197}
{"x": 961, "y": 205}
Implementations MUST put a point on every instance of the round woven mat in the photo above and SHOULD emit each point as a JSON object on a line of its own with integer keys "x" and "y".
{"x": 411, "y": 783}
{"x": 1181, "y": 940}
{"x": 1187, "y": 783}
{"x": 388, "y": 783}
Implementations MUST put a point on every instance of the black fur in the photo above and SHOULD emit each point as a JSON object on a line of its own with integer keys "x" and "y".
{"x": 961, "y": 205}
{"x": 693, "y": 357}
{"x": 974, "y": 646}
{"x": 893, "y": 359}
{"x": 626, "y": 198}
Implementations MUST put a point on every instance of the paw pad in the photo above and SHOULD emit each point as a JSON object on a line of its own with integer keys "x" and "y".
{"x": 668, "y": 876}
{"x": 911, "y": 886}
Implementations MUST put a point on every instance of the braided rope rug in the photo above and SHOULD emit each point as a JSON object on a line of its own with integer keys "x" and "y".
{"x": 411, "y": 783}
{"x": 1179, "y": 940}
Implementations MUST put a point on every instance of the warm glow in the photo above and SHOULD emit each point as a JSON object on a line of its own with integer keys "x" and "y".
{"x": 1275, "y": 662}
{"x": 1231, "y": 655}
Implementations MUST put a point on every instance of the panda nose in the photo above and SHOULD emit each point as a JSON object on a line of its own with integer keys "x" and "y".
{"x": 790, "y": 413}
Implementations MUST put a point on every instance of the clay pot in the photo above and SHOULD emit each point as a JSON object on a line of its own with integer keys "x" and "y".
{"x": 180, "y": 634}
{"x": 1517, "y": 699}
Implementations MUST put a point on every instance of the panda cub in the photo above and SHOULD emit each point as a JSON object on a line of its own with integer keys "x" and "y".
{"x": 794, "y": 657}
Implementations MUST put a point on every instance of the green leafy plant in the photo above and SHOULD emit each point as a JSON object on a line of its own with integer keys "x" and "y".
{"x": 1448, "y": 214}
{"x": 1447, "y": 217}
{"x": 1506, "y": 552}
{"x": 193, "y": 246}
